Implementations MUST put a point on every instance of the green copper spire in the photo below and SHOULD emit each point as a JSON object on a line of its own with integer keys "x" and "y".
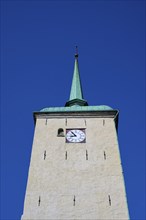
{"x": 76, "y": 94}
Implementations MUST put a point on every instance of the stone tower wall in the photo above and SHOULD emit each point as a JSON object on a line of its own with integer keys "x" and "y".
{"x": 75, "y": 180}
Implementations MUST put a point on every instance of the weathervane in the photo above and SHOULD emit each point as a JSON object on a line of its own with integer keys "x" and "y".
{"x": 76, "y": 52}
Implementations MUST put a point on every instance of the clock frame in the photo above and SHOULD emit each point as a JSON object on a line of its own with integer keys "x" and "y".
{"x": 75, "y": 135}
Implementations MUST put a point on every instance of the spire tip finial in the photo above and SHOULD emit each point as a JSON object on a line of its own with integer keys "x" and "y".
{"x": 76, "y": 53}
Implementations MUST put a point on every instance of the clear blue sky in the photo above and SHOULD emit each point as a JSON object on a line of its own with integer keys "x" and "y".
{"x": 37, "y": 58}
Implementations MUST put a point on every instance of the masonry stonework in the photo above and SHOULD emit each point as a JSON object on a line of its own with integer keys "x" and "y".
{"x": 75, "y": 180}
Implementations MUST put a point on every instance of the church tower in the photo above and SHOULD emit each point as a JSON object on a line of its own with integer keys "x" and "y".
{"x": 75, "y": 169}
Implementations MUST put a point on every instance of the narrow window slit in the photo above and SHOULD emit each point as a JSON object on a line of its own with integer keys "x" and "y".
{"x": 74, "y": 201}
{"x": 66, "y": 121}
{"x": 109, "y": 199}
{"x": 104, "y": 155}
{"x": 46, "y": 121}
{"x": 44, "y": 154}
{"x": 86, "y": 155}
{"x": 39, "y": 201}
{"x": 103, "y": 122}
{"x": 66, "y": 155}
{"x": 85, "y": 122}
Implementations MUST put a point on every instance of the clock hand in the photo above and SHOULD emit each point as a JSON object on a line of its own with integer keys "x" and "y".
{"x": 74, "y": 135}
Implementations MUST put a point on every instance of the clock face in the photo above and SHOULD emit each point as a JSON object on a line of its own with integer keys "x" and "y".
{"x": 75, "y": 136}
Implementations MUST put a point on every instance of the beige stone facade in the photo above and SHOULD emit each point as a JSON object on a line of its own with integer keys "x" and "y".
{"x": 75, "y": 180}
